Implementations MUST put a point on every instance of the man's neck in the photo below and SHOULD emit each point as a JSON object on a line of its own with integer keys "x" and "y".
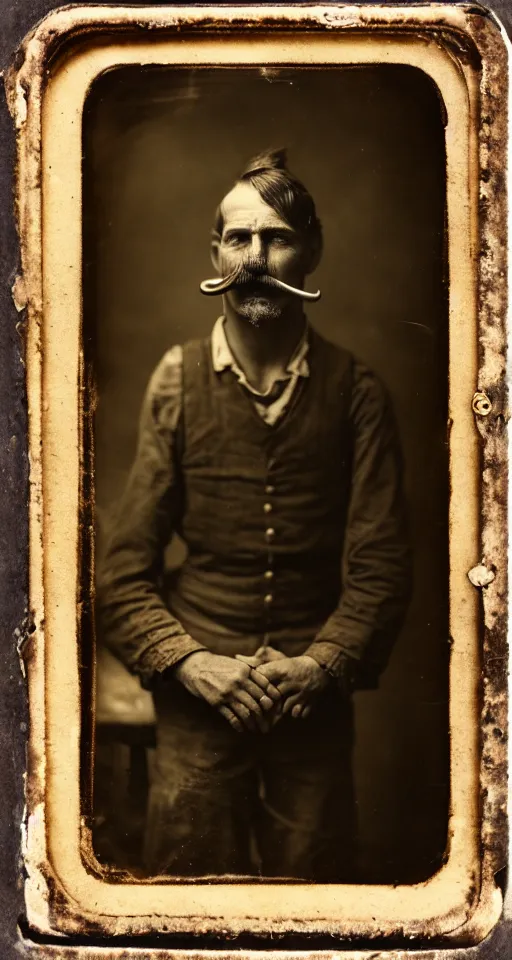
{"x": 264, "y": 351}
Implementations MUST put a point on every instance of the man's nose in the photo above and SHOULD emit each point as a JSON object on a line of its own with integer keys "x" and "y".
{"x": 257, "y": 247}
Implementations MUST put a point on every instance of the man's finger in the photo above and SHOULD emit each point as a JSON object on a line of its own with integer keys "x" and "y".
{"x": 288, "y": 688}
{"x": 277, "y": 713}
{"x": 245, "y": 714}
{"x": 252, "y": 704}
{"x": 292, "y": 701}
{"x": 279, "y": 675}
{"x": 258, "y": 677}
{"x": 232, "y": 719}
{"x": 250, "y": 661}
{"x": 274, "y": 670}
{"x": 262, "y": 698}
{"x": 301, "y": 710}
{"x": 266, "y": 654}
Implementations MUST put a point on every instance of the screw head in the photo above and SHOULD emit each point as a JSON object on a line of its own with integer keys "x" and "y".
{"x": 481, "y": 404}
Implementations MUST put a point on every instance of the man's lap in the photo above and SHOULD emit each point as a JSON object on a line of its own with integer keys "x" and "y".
{"x": 214, "y": 788}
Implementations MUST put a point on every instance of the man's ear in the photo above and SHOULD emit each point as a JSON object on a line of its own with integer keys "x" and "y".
{"x": 215, "y": 251}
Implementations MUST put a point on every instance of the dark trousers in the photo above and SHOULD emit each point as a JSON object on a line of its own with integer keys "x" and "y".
{"x": 279, "y": 804}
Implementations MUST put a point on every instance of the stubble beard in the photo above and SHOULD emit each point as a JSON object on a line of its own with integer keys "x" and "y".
{"x": 259, "y": 310}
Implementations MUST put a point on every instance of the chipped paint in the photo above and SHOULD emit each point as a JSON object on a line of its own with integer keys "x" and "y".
{"x": 19, "y": 294}
{"x": 476, "y": 48}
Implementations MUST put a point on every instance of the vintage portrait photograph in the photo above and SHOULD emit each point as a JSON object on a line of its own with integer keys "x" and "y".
{"x": 265, "y": 277}
{"x": 265, "y": 313}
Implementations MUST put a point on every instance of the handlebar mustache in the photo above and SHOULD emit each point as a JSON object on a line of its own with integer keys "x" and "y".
{"x": 244, "y": 275}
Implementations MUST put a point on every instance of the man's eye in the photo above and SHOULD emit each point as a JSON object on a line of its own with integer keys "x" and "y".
{"x": 281, "y": 239}
{"x": 235, "y": 239}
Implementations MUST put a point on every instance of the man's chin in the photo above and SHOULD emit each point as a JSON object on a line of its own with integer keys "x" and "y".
{"x": 258, "y": 310}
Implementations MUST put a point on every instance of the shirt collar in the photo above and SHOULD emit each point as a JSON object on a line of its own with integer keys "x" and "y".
{"x": 223, "y": 358}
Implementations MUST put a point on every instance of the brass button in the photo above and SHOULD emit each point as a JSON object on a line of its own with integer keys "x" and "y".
{"x": 267, "y": 508}
{"x": 269, "y": 574}
{"x": 267, "y": 599}
{"x": 269, "y": 488}
{"x": 270, "y": 534}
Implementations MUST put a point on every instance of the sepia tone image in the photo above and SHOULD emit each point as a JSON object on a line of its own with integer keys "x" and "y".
{"x": 264, "y": 267}
{"x": 265, "y": 320}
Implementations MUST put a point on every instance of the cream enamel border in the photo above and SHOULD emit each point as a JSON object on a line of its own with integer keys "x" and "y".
{"x": 439, "y": 906}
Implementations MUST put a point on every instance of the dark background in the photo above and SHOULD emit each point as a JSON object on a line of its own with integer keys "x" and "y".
{"x": 161, "y": 148}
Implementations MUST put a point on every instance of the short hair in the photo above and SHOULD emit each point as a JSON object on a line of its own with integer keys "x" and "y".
{"x": 281, "y": 190}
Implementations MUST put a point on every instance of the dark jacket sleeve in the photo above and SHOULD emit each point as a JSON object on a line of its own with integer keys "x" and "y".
{"x": 354, "y": 643}
{"x": 135, "y": 621}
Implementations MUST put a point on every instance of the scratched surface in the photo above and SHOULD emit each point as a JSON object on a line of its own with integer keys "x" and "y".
{"x": 18, "y": 19}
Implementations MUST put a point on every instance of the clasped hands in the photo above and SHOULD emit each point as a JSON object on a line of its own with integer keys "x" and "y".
{"x": 253, "y": 693}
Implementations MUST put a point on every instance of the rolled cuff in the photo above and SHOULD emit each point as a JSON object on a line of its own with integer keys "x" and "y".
{"x": 335, "y": 662}
{"x": 165, "y": 654}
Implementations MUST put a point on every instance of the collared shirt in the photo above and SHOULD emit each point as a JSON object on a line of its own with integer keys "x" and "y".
{"x": 272, "y": 404}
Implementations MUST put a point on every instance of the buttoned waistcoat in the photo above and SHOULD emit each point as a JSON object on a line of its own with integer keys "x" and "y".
{"x": 263, "y": 508}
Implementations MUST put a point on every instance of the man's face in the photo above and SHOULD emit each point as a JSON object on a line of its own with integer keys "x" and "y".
{"x": 255, "y": 236}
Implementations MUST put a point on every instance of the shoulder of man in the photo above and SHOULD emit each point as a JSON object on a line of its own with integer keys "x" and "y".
{"x": 368, "y": 391}
{"x": 165, "y": 389}
{"x": 163, "y": 395}
{"x": 165, "y": 380}
{"x": 370, "y": 396}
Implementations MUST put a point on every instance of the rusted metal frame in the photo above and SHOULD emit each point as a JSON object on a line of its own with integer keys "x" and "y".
{"x": 26, "y": 85}
{"x": 492, "y": 413}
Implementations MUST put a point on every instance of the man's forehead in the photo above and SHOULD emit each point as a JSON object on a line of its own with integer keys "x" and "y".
{"x": 243, "y": 207}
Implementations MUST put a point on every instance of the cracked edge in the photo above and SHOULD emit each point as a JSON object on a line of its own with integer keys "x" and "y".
{"x": 24, "y": 85}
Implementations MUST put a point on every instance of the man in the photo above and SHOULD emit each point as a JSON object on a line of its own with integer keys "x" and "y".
{"x": 274, "y": 455}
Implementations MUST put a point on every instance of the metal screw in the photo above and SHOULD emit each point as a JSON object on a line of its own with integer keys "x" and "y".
{"x": 481, "y": 404}
{"x": 481, "y": 576}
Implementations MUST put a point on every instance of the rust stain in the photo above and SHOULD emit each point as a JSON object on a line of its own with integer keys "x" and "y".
{"x": 492, "y": 428}
{"x": 478, "y": 45}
